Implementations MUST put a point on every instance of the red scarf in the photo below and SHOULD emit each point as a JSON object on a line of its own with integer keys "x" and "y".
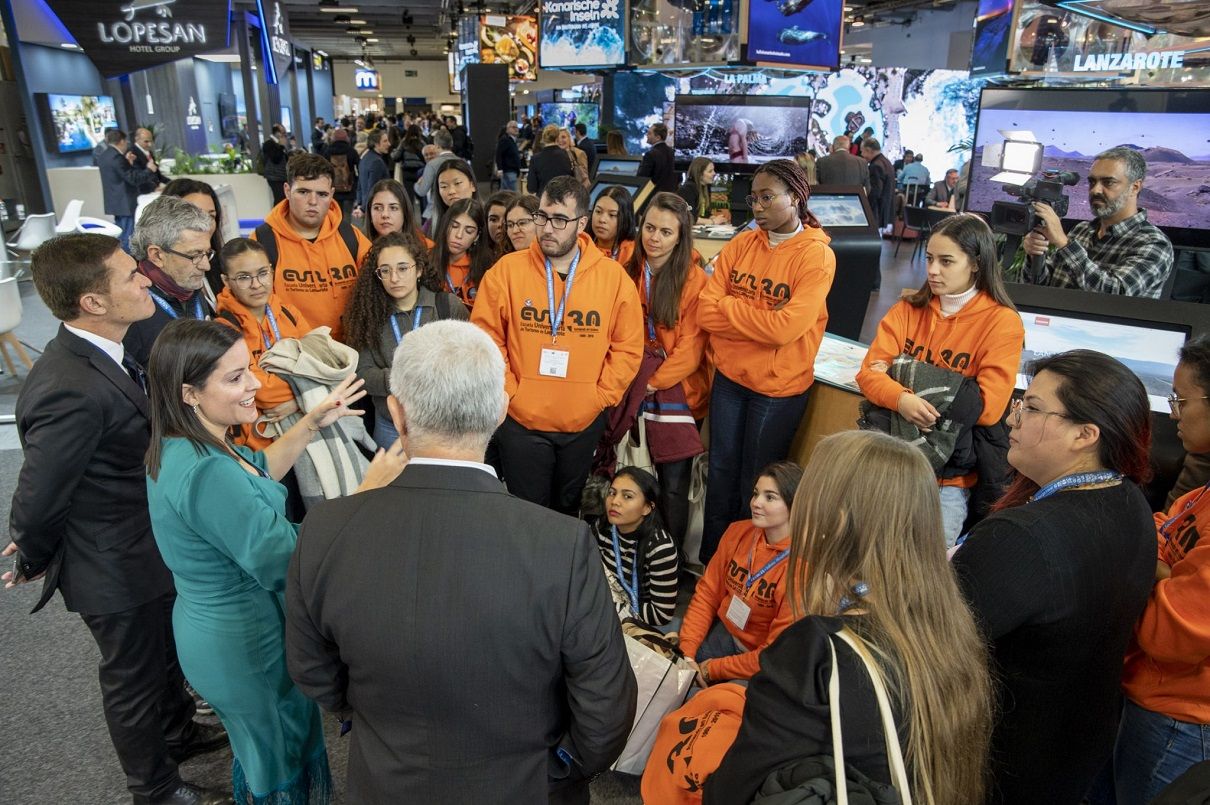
{"x": 164, "y": 282}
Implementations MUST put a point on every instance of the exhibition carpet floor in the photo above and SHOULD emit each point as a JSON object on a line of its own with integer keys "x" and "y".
{"x": 56, "y": 748}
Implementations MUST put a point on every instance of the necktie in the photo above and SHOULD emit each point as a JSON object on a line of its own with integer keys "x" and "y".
{"x": 135, "y": 371}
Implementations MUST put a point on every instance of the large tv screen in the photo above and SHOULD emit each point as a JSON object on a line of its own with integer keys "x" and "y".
{"x": 795, "y": 33}
{"x": 79, "y": 121}
{"x": 567, "y": 115}
{"x": 640, "y": 99}
{"x": 511, "y": 40}
{"x": 743, "y": 128}
{"x": 993, "y": 29}
{"x": 1169, "y": 128}
{"x": 583, "y": 33}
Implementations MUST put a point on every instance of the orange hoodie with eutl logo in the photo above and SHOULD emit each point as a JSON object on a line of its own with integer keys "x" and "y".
{"x": 602, "y": 332}
{"x": 765, "y": 309}
{"x": 315, "y": 277}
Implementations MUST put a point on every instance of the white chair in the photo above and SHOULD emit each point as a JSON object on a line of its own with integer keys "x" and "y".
{"x": 36, "y": 230}
{"x": 98, "y": 226}
{"x": 71, "y": 216}
{"x": 10, "y": 319}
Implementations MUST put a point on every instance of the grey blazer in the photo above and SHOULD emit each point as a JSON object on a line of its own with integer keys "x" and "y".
{"x": 467, "y": 634}
{"x": 843, "y": 168}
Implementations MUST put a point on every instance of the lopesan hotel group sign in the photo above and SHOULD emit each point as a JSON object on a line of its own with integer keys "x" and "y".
{"x": 122, "y": 36}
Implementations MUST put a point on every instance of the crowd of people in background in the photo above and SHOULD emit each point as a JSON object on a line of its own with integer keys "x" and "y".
{"x": 994, "y": 558}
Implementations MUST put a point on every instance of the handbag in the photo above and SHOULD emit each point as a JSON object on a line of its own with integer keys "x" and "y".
{"x": 824, "y": 779}
{"x": 663, "y": 685}
{"x": 632, "y": 450}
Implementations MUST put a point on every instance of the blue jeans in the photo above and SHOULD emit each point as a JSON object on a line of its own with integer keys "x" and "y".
{"x": 126, "y": 222}
{"x": 384, "y": 431}
{"x": 748, "y": 431}
{"x": 953, "y": 512}
{"x": 1152, "y": 751}
{"x": 508, "y": 180}
{"x": 718, "y": 643}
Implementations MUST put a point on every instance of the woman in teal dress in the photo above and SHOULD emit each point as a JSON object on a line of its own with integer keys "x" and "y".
{"x": 218, "y": 514}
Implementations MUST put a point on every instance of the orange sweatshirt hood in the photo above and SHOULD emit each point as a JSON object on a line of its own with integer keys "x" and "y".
{"x": 602, "y": 333}
{"x": 766, "y": 310}
{"x": 315, "y": 277}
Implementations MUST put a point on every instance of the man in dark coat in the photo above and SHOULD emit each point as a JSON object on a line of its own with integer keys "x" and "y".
{"x": 882, "y": 181}
{"x": 842, "y": 168}
{"x": 473, "y": 645}
{"x": 121, "y": 180}
{"x": 659, "y": 163}
{"x": 79, "y": 516}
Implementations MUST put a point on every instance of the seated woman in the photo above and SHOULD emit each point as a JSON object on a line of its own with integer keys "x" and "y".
{"x": 249, "y": 305}
{"x": 867, "y": 559}
{"x": 640, "y": 558}
{"x": 961, "y": 320}
{"x": 1167, "y": 677}
{"x": 463, "y": 253}
{"x": 611, "y": 224}
{"x": 1059, "y": 573}
{"x": 390, "y": 210}
{"x": 519, "y": 229}
{"x": 696, "y": 192}
{"x": 217, "y": 511}
{"x": 739, "y": 605}
{"x": 397, "y": 290}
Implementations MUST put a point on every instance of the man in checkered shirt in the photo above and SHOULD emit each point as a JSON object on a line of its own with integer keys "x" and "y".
{"x": 1118, "y": 252}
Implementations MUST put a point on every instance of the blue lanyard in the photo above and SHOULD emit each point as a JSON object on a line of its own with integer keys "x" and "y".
{"x": 647, "y": 294}
{"x": 199, "y": 314}
{"x": 774, "y": 562}
{"x": 1079, "y": 479}
{"x": 272, "y": 326}
{"x": 632, "y": 592}
{"x": 556, "y": 318}
{"x": 395, "y": 323}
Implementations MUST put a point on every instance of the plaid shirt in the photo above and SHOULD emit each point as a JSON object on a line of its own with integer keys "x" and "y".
{"x": 1134, "y": 259}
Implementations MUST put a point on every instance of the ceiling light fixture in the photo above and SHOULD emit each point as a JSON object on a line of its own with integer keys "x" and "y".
{"x": 858, "y": 21}
{"x": 335, "y": 9}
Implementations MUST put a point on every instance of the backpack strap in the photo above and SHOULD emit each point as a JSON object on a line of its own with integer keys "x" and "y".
{"x": 349, "y": 236}
{"x": 230, "y": 318}
{"x": 290, "y": 316}
{"x": 267, "y": 238}
{"x": 443, "y": 306}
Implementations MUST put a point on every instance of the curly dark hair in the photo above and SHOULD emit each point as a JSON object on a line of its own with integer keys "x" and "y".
{"x": 370, "y": 305}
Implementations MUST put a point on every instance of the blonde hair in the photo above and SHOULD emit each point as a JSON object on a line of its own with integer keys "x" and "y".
{"x": 871, "y": 514}
{"x": 550, "y": 134}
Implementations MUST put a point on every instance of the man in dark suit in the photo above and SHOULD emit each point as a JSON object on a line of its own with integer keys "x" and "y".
{"x": 121, "y": 180}
{"x": 842, "y": 168}
{"x": 882, "y": 181}
{"x": 317, "y": 136}
{"x": 943, "y": 191}
{"x": 144, "y": 159}
{"x": 79, "y": 515}
{"x": 588, "y": 145}
{"x": 659, "y": 163}
{"x": 473, "y": 644}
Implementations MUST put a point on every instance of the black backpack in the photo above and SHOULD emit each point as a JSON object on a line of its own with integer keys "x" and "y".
{"x": 267, "y": 238}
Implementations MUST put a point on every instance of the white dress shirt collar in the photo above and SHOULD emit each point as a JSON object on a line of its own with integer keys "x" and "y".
{"x": 113, "y": 349}
{"x": 452, "y": 462}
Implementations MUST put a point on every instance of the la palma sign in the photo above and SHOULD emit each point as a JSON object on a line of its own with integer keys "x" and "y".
{"x": 122, "y": 36}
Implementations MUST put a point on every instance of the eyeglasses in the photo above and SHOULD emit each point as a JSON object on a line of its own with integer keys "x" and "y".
{"x": 244, "y": 281}
{"x": 197, "y": 258}
{"x": 1175, "y": 402}
{"x": 559, "y": 222}
{"x": 765, "y": 199}
{"x": 386, "y": 272}
{"x": 520, "y": 223}
{"x": 1020, "y": 407}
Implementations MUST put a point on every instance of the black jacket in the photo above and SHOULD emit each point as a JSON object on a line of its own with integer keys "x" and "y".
{"x": 468, "y": 642}
{"x": 545, "y": 165}
{"x": 80, "y": 509}
{"x": 273, "y": 161}
{"x": 140, "y": 163}
{"x": 508, "y": 156}
{"x": 841, "y": 167}
{"x": 463, "y": 146}
{"x": 142, "y": 334}
{"x": 660, "y": 164}
{"x": 120, "y": 181}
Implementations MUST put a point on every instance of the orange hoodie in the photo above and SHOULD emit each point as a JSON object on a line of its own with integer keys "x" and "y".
{"x": 273, "y": 390}
{"x": 983, "y": 340}
{"x": 315, "y": 277}
{"x": 625, "y": 250}
{"x": 456, "y": 280}
{"x": 1168, "y": 665}
{"x": 723, "y": 580}
{"x": 684, "y": 345}
{"x": 602, "y": 330}
{"x": 765, "y": 309}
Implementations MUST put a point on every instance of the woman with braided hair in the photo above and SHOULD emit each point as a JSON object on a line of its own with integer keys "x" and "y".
{"x": 765, "y": 310}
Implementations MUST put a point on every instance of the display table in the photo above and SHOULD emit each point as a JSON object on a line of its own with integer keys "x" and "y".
{"x": 709, "y": 240}
{"x": 832, "y": 405}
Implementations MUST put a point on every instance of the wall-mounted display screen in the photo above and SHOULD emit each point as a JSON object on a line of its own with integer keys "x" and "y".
{"x": 744, "y": 129}
{"x": 668, "y": 32}
{"x": 993, "y": 30}
{"x": 511, "y": 40}
{"x": 567, "y": 115}
{"x": 1150, "y": 351}
{"x": 79, "y": 121}
{"x": 795, "y": 33}
{"x": 640, "y": 99}
{"x": 624, "y": 166}
{"x": 1170, "y": 129}
{"x": 583, "y": 33}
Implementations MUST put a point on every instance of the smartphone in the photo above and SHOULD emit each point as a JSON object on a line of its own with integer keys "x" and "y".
{"x": 17, "y": 577}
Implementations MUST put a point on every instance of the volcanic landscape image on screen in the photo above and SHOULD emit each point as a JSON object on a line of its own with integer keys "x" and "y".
{"x": 718, "y": 130}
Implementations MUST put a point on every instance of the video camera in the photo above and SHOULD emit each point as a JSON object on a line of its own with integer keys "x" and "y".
{"x": 1017, "y": 217}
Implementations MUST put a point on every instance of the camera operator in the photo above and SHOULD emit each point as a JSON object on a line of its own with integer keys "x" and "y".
{"x": 1119, "y": 252}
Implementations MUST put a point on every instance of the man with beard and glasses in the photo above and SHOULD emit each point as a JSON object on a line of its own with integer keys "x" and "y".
{"x": 1119, "y": 252}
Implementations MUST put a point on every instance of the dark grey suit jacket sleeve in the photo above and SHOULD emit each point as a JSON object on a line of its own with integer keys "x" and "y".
{"x": 601, "y": 690}
{"x": 313, "y": 660}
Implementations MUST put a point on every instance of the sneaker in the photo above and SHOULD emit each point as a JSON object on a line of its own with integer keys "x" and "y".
{"x": 203, "y": 706}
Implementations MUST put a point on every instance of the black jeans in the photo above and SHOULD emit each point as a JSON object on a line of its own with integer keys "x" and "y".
{"x": 673, "y": 504}
{"x": 548, "y": 468}
{"x": 143, "y": 693}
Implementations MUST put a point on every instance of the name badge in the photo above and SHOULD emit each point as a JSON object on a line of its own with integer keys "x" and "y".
{"x": 554, "y": 363}
{"x": 738, "y": 612}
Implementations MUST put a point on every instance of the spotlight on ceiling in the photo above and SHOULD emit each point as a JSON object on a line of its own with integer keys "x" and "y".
{"x": 858, "y": 21}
